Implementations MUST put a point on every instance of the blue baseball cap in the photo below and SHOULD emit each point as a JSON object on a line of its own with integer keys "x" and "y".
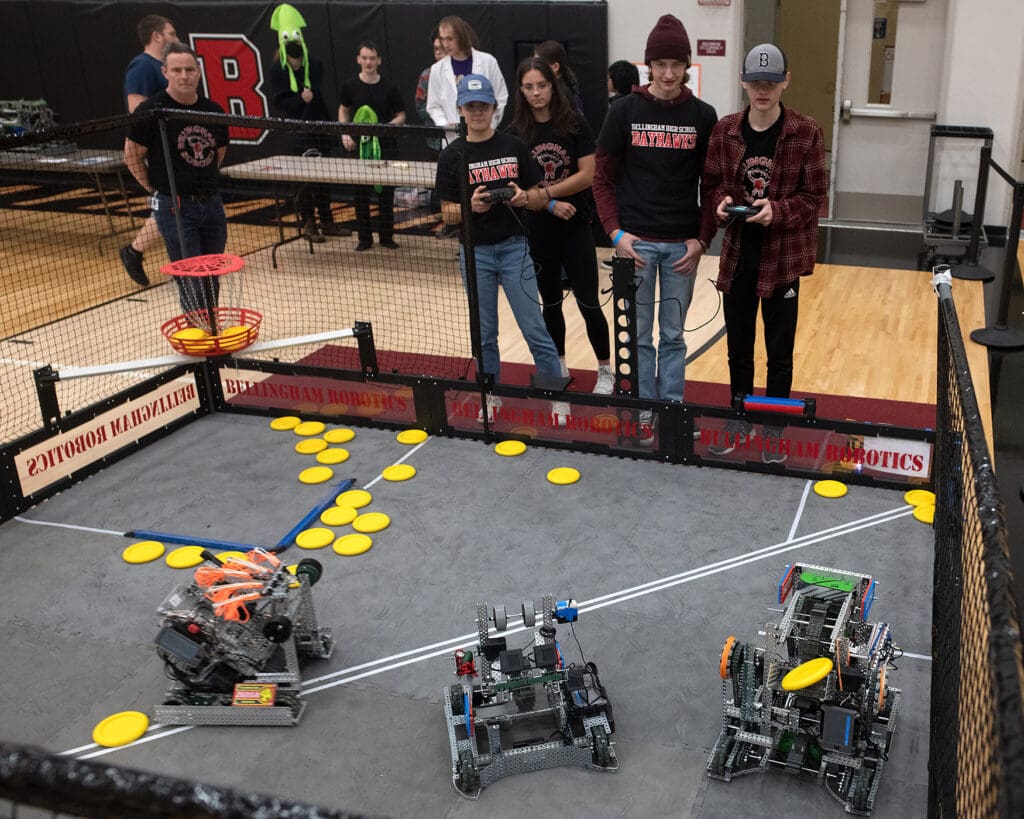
{"x": 476, "y": 88}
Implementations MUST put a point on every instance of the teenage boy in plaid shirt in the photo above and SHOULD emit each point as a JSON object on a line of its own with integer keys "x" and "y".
{"x": 770, "y": 158}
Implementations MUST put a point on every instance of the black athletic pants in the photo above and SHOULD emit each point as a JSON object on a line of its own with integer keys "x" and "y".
{"x": 556, "y": 244}
{"x": 779, "y": 312}
{"x": 385, "y": 223}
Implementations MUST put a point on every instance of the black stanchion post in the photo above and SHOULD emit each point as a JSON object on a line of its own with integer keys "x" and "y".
{"x": 969, "y": 269}
{"x": 1002, "y": 337}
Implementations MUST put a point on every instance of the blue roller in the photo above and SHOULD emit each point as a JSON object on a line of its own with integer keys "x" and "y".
{"x": 313, "y": 514}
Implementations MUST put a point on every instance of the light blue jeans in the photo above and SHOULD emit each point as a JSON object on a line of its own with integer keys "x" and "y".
{"x": 668, "y": 379}
{"x": 509, "y": 264}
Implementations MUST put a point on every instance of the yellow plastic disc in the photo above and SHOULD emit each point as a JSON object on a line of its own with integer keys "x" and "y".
{"x": 335, "y": 455}
{"x": 185, "y": 557}
{"x": 807, "y": 674}
{"x": 925, "y": 514}
{"x": 291, "y": 570}
{"x": 224, "y": 557}
{"x": 311, "y": 446}
{"x": 310, "y": 428}
{"x": 830, "y": 489}
{"x": 920, "y": 497}
{"x": 339, "y": 436}
{"x": 143, "y": 551}
{"x": 371, "y": 522}
{"x": 398, "y": 472}
{"x": 190, "y": 334}
{"x": 356, "y": 498}
{"x": 412, "y": 436}
{"x": 510, "y": 448}
{"x": 120, "y": 729}
{"x": 338, "y": 516}
{"x": 352, "y": 544}
{"x": 285, "y": 422}
{"x": 314, "y": 538}
{"x": 563, "y": 475}
{"x": 316, "y": 474}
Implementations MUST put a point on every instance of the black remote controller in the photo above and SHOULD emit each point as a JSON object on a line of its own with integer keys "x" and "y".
{"x": 741, "y": 210}
{"x": 499, "y": 195}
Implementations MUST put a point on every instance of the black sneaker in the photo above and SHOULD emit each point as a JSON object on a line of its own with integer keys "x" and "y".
{"x": 132, "y": 261}
{"x": 735, "y": 431}
{"x": 390, "y": 244}
{"x": 312, "y": 232}
{"x": 361, "y": 246}
{"x": 773, "y": 452}
{"x": 334, "y": 229}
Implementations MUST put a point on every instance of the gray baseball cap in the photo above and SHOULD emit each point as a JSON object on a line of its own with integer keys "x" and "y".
{"x": 764, "y": 62}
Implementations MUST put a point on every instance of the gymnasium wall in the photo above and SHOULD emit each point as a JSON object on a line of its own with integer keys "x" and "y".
{"x": 73, "y": 54}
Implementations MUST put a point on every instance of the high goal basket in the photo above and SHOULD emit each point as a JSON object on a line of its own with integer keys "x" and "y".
{"x": 205, "y": 328}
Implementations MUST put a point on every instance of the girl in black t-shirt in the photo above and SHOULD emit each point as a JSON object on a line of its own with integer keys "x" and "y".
{"x": 562, "y": 144}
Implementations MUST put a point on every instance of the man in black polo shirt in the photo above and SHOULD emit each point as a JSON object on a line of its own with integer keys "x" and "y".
{"x": 196, "y": 153}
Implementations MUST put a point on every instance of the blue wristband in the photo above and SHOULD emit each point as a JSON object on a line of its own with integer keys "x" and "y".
{"x": 617, "y": 236}
{"x": 551, "y": 205}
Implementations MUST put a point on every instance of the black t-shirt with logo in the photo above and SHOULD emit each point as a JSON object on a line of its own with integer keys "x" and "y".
{"x": 756, "y": 170}
{"x": 557, "y": 157}
{"x": 494, "y": 163}
{"x": 193, "y": 146}
{"x": 383, "y": 97}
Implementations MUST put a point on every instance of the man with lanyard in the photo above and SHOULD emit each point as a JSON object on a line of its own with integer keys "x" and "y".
{"x": 196, "y": 153}
{"x": 771, "y": 159}
{"x": 143, "y": 78}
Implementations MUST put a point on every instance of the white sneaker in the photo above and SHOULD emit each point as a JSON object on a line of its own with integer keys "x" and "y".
{"x": 605, "y": 380}
{"x": 493, "y": 403}
{"x": 565, "y": 367}
{"x": 560, "y": 412}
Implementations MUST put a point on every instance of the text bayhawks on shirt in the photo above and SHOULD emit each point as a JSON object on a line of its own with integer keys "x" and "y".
{"x": 493, "y": 170}
{"x": 659, "y": 135}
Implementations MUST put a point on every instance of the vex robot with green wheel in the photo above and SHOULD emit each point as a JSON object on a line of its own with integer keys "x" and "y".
{"x": 815, "y": 699}
{"x": 523, "y": 709}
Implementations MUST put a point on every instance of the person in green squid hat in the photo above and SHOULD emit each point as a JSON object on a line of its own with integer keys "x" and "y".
{"x": 295, "y": 80}
{"x": 368, "y": 98}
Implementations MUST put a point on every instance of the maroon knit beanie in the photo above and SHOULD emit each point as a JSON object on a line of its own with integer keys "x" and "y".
{"x": 668, "y": 41}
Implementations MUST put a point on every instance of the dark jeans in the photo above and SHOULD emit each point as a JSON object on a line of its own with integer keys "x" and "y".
{"x": 779, "y": 312}
{"x": 556, "y": 244}
{"x": 204, "y": 230}
{"x": 385, "y": 223}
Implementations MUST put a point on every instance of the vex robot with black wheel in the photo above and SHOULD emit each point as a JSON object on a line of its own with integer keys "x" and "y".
{"x": 233, "y": 638}
{"x": 815, "y": 699}
{"x": 528, "y": 710}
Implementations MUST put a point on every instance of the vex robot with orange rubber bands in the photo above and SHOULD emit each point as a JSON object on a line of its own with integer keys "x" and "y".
{"x": 815, "y": 699}
{"x": 528, "y": 710}
{"x": 233, "y": 638}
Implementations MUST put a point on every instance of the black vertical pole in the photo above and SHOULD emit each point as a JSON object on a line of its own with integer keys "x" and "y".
{"x": 1001, "y": 336}
{"x": 969, "y": 269}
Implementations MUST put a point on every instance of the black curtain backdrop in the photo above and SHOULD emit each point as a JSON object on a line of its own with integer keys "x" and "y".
{"x": 73, "y": 54}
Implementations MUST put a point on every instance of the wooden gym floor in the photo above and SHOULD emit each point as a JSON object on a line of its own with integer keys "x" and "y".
{"x": 864, "y": 331}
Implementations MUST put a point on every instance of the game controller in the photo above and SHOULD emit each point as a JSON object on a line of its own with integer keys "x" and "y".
{"x": 741, "y": 210}
{"x": 499, "y": 195}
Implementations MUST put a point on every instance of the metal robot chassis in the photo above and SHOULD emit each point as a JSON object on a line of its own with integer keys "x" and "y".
{"x": 503, "y": 723}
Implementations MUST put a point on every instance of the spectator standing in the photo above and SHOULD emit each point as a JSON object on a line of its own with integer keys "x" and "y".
{"x": 143, "y": 78}
{"x": 196, "y": 153}
{"x": 771, "y": 158}
{"x": 649, "y": 161}
{"x": 422, "y": 86}
{"x": 462, "y": 58}
{"x": 622, "y": 76}
{"x": 296, "y": 80}
{"x": 498, "y": 160}
{"x": 562, "y": 144}
{"x": 553, "y": 53}
{"x": 369, "y": 98}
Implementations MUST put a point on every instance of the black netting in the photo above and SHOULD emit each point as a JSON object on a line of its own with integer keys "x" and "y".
{"x": 977, "y": 696}
{"x": 297, "y": 205}
{"x": 72, "y": 787}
